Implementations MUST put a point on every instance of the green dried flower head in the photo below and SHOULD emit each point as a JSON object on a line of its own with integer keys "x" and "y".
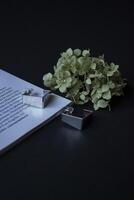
{"x": 85, "y": 78}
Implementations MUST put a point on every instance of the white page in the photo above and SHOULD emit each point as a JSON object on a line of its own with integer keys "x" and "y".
{"x": 18, "y": 119}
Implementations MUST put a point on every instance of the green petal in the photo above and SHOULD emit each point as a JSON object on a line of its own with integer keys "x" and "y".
{"x": 110, "y": 73}
{"x": 67, "y": 73}
{"x": 88, "y": 81}
{"x": 77, "y": 52}
{"x": 114, "y": 67}
{"x": 95, "y": 97}
{"x": 93, "y": 66}
{"x": 69, "y": 52}
{"x": 105, "y": 88}
{"x": 93, "y": 91}
{"x": 69, "y": 80}
{"x": 85, "y": 52}
{"x": 85, "y": 93}
{"x": 99, "y": 91}
{"x": 96, "y": 106}
{"x": 62, "y": 89}
{"x": 111, "y": 85}
{"x": 107, "y": 95}
{"x": 80, "y": 60}
{"x": 102, "y": 103}
{"x": 82, "y": 97}
{"x": 48, "y": 79}
{"x": 47, "y": 76}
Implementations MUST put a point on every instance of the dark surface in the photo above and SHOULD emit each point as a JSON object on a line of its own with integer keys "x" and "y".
{"x": 59, "y": 162}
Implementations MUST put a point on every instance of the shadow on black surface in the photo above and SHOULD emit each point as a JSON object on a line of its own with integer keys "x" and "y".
{"x": 128, "y": 97}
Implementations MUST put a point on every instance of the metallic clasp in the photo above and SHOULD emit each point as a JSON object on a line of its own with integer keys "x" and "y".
{"x": 36, "y": 99}
{"x": 75, "y": 119}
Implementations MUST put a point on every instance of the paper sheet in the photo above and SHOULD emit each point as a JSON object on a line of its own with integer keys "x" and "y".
{"x": 18, "y": 119}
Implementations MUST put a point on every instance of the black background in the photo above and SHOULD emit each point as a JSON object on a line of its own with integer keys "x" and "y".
{"x": 59, "y": 162}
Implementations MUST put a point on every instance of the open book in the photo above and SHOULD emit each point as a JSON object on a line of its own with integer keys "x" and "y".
{"x": 17, "y": 119}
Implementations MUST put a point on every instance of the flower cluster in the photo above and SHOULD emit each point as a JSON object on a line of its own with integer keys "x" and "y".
{"x": 85, "y": 78}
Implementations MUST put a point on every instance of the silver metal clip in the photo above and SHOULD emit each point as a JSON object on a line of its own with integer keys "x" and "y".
{"x": 36, "y": 99}
{"x": 78, "y": 120}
